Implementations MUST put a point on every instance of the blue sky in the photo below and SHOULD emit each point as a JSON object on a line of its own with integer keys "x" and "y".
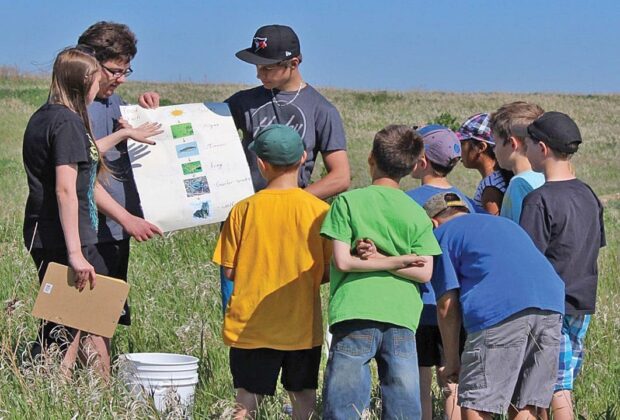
{"x": 466, "y": 46}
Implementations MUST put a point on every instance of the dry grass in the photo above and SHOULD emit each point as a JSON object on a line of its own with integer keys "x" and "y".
{"x": 175, "y": 288}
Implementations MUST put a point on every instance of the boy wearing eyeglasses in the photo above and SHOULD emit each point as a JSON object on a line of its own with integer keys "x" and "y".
{"x": 114, "y": 46}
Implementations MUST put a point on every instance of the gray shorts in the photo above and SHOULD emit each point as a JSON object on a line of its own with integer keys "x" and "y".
{"x": 513, "y": 362}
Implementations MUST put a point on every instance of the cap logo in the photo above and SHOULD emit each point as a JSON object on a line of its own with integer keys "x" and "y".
{"x": 288, "y": 53}
{"x": 259, "y": 44}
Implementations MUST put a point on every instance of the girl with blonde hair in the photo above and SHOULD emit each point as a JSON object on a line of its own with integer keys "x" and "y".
{"x": 61, "y": 217}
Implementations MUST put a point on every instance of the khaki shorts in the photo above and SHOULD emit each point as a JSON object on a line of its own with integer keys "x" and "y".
{"x": 511, "y": 363}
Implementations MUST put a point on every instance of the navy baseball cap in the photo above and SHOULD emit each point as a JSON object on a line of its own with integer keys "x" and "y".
{"x": 271, "y": 44}
{"x": 557, "y": 130}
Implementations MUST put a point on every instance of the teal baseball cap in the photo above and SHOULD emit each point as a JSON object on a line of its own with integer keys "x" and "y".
{"x": 278, "y": 144}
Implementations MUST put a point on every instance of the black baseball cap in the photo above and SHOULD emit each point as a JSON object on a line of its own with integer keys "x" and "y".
{"x": 557, "y": 130}
{"x": 271, "y": 44}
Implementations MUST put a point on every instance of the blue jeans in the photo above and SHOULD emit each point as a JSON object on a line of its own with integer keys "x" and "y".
{"x": 226, "y": 286}
{"x": 355, "y": 343}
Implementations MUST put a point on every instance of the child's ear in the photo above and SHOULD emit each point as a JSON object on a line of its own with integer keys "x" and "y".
{"x": 261, "y": 164}
{"x": 423, "y": 162}
{"x": 435, "y": 223}
{"x": 544, "y": 148}
{"x": 514, "y": 143}
{"x": 304, "y": 157}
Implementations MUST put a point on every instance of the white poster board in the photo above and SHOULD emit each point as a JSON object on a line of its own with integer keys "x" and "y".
{"x": 197, "y": 169}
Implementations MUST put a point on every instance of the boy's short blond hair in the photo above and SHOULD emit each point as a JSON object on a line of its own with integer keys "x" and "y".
{"x": 511, "y": 120}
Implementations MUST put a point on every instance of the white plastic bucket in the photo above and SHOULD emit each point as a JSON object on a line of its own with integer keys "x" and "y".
{"x": 167, "y": 378}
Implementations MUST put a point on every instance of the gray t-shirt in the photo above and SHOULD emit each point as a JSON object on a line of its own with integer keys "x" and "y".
{"x": 104, "y": 115}
{"x": 314, "y": 117}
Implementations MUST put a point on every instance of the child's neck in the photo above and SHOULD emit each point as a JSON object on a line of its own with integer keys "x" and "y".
{"x": 435, "y": 181}
{"x": 293, "y": 84}
{"x": 384, "y": 181}
{"x": 520, "y": 165}
{"x": 282, "y": 181}
{"x": 486, "y": 167}
{"x": 558, "y": 170}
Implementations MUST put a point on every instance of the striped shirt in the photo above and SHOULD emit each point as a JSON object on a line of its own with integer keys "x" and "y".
{"x": 494, "y": 180}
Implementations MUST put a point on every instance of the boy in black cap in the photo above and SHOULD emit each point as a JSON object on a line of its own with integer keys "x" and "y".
{"x": 565, "y": 220}
{"x": 285, "y": 98}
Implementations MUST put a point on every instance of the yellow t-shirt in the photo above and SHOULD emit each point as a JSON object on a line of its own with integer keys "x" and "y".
{"x": 272, "y": 241}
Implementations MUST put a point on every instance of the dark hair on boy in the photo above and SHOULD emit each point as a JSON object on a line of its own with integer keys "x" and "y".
{"x": 511, "y": 120}
{"x": 396, "y": 149}
{"x": 110, "y": 41}
{"x": 443, "y": 171}
{"x": 478, "y": 144}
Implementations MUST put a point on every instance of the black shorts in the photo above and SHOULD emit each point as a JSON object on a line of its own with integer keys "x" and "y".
{"x": 257, "y": 370}
{"x": 430, "y": 347}
{"x": 50, "y": 332}
{"x": 115, "y": 258}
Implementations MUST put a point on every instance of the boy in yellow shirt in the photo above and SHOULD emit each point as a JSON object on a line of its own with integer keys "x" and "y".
{"x": 271, "y": 247}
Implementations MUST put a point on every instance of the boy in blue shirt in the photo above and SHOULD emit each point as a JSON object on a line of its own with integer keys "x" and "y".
{"x": 442, "y": 152}
{"x": 511, "y": 311}
{"x": 509, "y": 127}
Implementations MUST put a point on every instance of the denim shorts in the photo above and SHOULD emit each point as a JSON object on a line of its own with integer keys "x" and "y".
{"x": 511, "y": 363}
{"x": 347, "y": 384}
{"x": 574, "y": 328}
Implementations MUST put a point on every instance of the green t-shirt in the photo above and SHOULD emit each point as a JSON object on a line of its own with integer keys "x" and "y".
{"x": 398, "y": 226}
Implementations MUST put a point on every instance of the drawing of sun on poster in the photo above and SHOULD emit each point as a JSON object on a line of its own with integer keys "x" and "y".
{"x": 195, "y": 172}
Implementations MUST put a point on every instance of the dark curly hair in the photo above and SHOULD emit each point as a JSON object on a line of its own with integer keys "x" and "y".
{"x": 110, "y": 41}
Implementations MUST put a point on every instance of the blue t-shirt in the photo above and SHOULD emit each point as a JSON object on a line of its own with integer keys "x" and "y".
{"x": 519, "y": 186}
{"x": 497, "y": 268}
{"x": 104, "y": 115}
{"x": 421, "y": 195}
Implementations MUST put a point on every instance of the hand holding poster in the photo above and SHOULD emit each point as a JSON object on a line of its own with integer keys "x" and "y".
{"x": 197, "y": 169}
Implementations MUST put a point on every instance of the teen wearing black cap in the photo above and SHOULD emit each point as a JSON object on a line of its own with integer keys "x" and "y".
{"x": 565, "y": 220}
{"x": 285, "y": 98}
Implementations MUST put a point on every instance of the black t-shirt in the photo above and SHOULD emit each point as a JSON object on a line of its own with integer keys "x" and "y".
{"x": 57, "y": 136}
{"x": 565, "y": 221}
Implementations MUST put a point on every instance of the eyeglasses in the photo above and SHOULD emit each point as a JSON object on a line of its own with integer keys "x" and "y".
{"x": 118, "y": 73}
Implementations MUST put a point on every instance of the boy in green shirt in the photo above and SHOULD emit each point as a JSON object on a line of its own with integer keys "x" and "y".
{"x": 375, "y": 303}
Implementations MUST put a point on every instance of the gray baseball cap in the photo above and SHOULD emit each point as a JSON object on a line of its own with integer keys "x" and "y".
{"x": 441, "y": 145}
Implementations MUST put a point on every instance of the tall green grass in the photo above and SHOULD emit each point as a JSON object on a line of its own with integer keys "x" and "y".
{"x": 175, "y": 288}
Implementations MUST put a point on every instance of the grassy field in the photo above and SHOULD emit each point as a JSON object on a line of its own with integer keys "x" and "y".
{"x": 175, "y": 287}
